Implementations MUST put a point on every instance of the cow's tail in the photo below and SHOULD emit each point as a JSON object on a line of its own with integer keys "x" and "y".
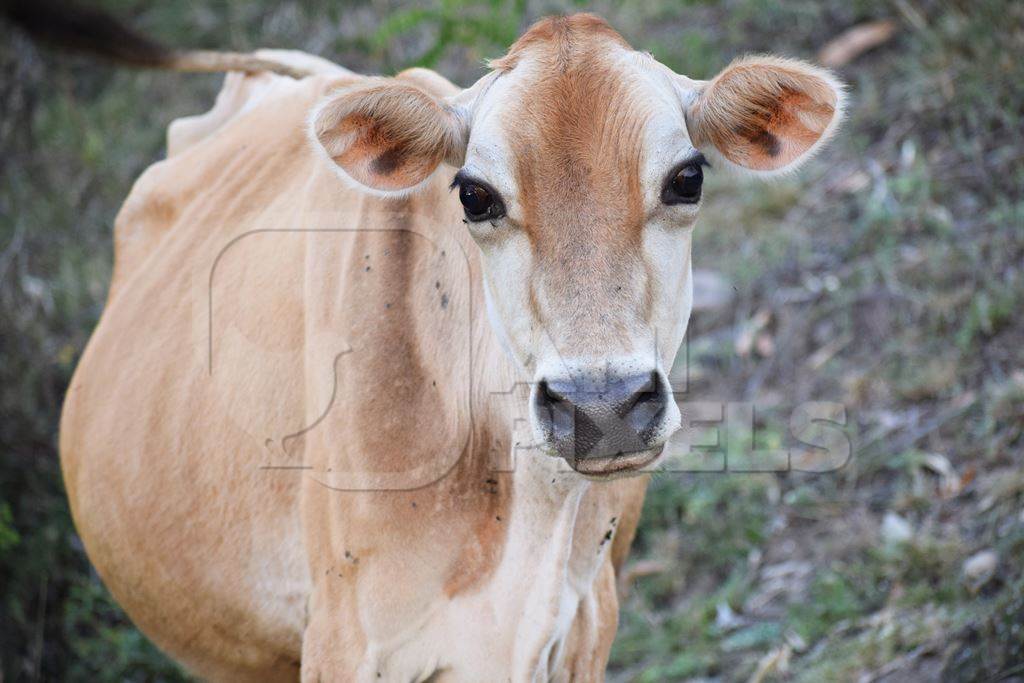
{"x": 70, "y": 26}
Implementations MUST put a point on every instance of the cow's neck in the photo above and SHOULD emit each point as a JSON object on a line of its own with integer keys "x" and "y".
{"x": 545, "y": 529}
{"x": 553, "y": 549}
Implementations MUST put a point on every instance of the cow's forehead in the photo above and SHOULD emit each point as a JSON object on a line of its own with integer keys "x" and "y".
{"x": 562, "y": 123}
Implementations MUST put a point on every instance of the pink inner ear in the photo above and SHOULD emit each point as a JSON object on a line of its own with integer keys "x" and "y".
{"x": 387, "y": 138}
{"x": 763, "y": 118}
{"x": 379, "y": 155}
{"x": 779, "y": 134}
{"x": 382, "y": 159}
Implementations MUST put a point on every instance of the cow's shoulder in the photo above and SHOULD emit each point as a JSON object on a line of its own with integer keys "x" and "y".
{"x": 249, "y": 151}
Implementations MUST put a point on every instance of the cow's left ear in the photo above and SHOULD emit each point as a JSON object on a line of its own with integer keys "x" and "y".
{"x": 764, "y": 114}
{"x": 388, "y": 136}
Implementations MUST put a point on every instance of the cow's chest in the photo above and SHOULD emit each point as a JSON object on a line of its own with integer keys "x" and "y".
{"x": 544, "y": 602}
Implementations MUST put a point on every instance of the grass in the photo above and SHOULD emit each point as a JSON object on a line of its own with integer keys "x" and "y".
{"x": 898, "y": 252}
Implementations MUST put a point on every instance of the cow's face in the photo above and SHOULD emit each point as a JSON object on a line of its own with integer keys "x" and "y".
{"x": 580, "y": 164}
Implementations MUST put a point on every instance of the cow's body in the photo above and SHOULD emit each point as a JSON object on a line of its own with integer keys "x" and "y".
{"x": 344, "y": 433}
{"x": 263, "y": 315}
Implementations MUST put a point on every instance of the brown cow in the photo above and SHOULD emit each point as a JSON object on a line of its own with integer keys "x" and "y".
{"x": 333, "y": 424}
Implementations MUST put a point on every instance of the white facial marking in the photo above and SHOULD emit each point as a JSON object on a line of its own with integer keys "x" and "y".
{"x": 514, "y": 289}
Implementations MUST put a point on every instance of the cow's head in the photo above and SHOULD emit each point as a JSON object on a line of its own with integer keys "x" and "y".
{"x": 580, "y": 164}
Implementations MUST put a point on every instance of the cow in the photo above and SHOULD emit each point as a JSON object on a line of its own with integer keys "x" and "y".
{"x": 383, "y": 363}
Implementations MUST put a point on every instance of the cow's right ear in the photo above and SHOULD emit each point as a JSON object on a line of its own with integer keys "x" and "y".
{"x": 388, "y": 136}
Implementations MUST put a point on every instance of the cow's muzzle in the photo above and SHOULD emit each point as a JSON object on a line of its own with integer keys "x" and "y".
{"x": 603, "y": 426}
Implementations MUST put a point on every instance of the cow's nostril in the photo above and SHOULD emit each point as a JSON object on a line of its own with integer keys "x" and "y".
{"x": 646, "y": 406}
{"x": 555, "y": 411}
{"x": 638, "y": 391}
{"x": 547, "y": 395}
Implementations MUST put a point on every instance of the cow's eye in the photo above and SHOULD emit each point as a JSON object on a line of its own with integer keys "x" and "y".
{"x": 684, "y": 185}
{"x": 480, "y": 203}
{"x": 478, "y": 199}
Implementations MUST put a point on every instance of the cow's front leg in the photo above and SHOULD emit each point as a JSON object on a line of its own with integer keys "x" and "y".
{"x": 333, "y": 646}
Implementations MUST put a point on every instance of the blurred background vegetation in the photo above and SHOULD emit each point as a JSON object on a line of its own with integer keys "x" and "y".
{"x": 887, "y": 276}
